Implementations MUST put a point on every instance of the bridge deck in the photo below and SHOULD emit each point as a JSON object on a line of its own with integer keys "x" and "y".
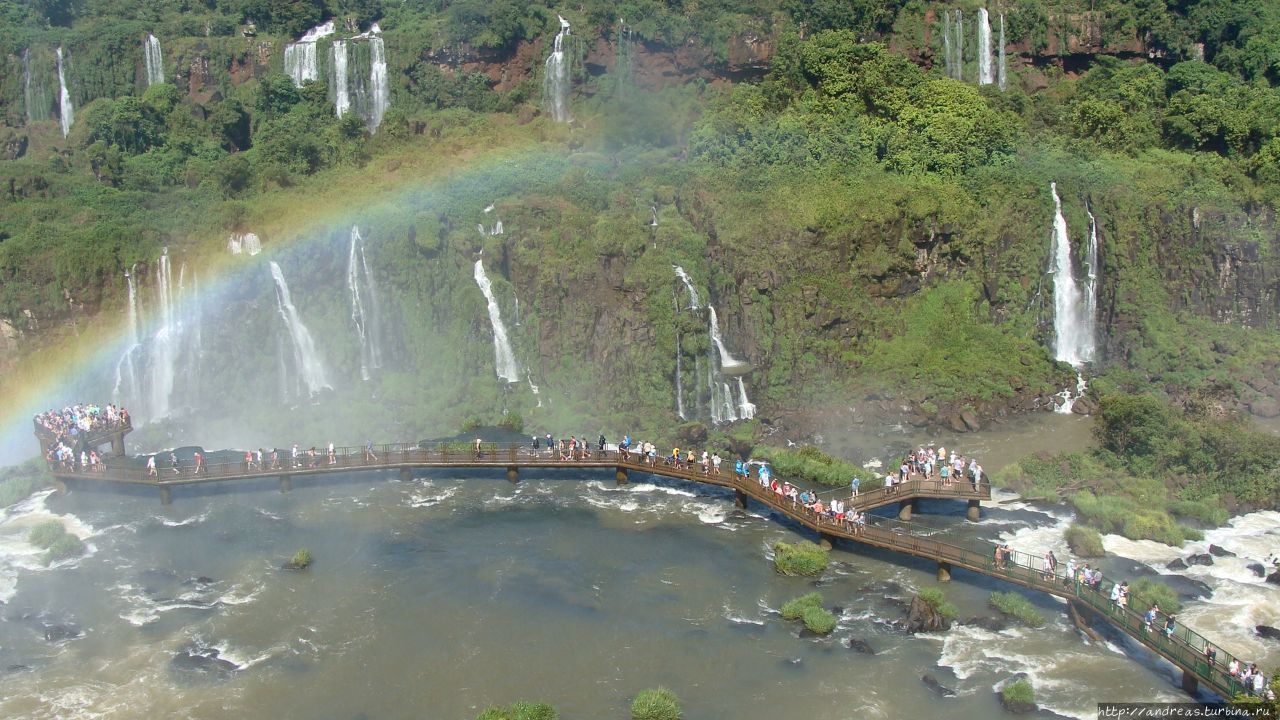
{"x": 1185, "y": 649}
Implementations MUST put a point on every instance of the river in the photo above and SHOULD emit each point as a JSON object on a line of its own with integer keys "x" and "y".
{"x": 441, "y": 595}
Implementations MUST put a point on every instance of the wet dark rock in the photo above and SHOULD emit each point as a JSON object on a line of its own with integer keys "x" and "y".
{"x": 17, "y": 668}
{"x": 923, "y": 618}
{"x": 861, "y": 646}
{"x": 1274, "y": 578}
{"x": 203, "y": 661}
{"x": 932, "y": 683}
{"x": 1200, "y": 559}
{"x": 1016, "y": 706}
{"x": 202, "y": 580}
{"x": 1177, "y": 564}
{"x": 986, "y": 622}
{"x": 1267, "y": 631}
{"x": 1217, "y": 551}
{"x": 1257, "y": 569}
{"x": 61, "y": 631}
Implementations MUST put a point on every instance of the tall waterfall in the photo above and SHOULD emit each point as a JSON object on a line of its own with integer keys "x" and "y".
{"x": 724, "y": 408}
{"x": 300, "y": 57}
{"x": 366, "y": 320}
{"x": 555, "y": 80}
{"x": 679, "y": 379}
{"x": 728, "y": 363}
{"x": 246, "y": 243}
{"x": 341, "y": 92}
{"x": 1073, "y": 325}
{"x": 1091, "y": 273}
{"x": 153, "y": 59}
{"x": 953, "y": 43}
{"x": 1002, "y": 68}
{"x": 746, "y": 408}
{"x": 379, "y": 92}
{"x": 192, "y": 332}
{"x": 306, "y": 359}
{"x": 504, "y": 359}
{"x": 126, "y": 386}
{"x": 986, "y": 76}
{"x": 694, "y": 301}
{"x": 68, "y": 113}
{"x": 34, "y": 91}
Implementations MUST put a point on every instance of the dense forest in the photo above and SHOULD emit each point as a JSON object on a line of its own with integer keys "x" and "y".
{"x": 854, "y": 186}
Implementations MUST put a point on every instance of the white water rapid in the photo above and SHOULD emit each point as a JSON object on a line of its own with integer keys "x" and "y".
{"x": 985, "y": 74}
{"x": 300, "y": 57}
{"x": 67, "y": 111}
{"x": 364, "y": 319}
{"x": 1002, "y": 66}
{"x": 555, "y": 80}
{"x": 153, "y": 59}
{"x": 341, "y": 91}
{"x": 306, "y": 359}
{"x": 504, "y": 359}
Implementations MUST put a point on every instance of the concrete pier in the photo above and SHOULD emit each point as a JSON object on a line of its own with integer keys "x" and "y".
{"x": 286, "y": 483}
{"x": 621, "y": 476}
{"x": 740, "y": 499}
{"x": 905, "y": 508}
{"x": 513, "y": 474}
{"x": 406, "y": 474}
{"x": 944, "y": 572}
{"x": 975, "y": 511}
{"x": 166, "y": 496}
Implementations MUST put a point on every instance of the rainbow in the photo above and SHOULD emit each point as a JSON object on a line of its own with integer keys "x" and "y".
{"x": 69, "y": 363}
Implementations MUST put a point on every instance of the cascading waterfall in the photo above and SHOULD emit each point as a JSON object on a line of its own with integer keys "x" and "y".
{"x": 1073, "y": 322}
{"x": 555, "y": 80}
{"x": 126, "y": 388}
{"x": 679, "y": 380}
{"x": 504, "y": 359}
{"x": 163, "y": 350}
{"x": 953, "y": 44}
{"x": 244, "y": 243}
{"x": 694, "y": 301}
{"x": 379, "y": 91}
{"x": 282, "y": 369}
{"x": 341, "y": 92}
{"x": 985, "y": 74}
{"x": 153, "y": 59}
{"x": 307, "y": 361}
{"x": 365, "y": 321}
{"x": 1002, "y": 68}
{"x": 300, "y": 57}
{"x": 746, "y": 408}
{"x": 1091, "y": 271}
{"x": 192, "y": 333}
{"x": 67, "y": 112}
{"x": 34, "y": 93}
{"x": 723, "y": 406}
{"x": 728, "y": 363}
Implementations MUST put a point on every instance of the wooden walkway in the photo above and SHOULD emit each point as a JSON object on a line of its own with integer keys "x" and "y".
{"x": 1186, "y": 649}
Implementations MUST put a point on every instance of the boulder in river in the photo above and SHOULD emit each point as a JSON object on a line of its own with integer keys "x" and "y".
{"x": 932, "y": 683}
{"x": 1200, "y": 559}
{"x": 1267, "y": 631}
{"x": 202, "y": 660}
{"x": 986, "y": 622}
{"x": 1177, "y": 564}
{"x": 1274, "y": 578}
{"x": 1218, "y": 551}
{"x": 61, "y": 631}
{"x": 921, "y": 617}
{"x": 1258, "y": 569}
{"x": 861, "y": 646}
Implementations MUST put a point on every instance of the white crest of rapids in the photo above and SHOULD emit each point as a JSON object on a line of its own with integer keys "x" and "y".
{"x": 305, "y": 356}
{"x": 504, "y": 359}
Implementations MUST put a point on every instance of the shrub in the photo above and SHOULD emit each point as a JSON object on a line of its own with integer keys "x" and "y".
{"x": 520, "y": 711}
{"x": 1019, "y": 691}
{"x": 1203, "y": 510}
{"x": 512, "y": 421}
{"x": 1084, "y": 541}
{"x": 655, "y": 704}
{"x": 1146, "y": 591}
{"x": 937, "y": 600}
{"x": 301, "y": 560}
{"x": 471, "y": 423}
{"x": 794, "y": 609}
{"x": 810, "y": 463}
{"x": 802, "y": 558}
{"x": 66, "y": 546}
{"x": 46, "y": 533}
{"x": 1018, "y": 606}
{"x": 819, "y": 620}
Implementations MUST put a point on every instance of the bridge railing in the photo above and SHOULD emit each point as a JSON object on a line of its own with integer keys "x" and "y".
{"x": 93, "y": 437}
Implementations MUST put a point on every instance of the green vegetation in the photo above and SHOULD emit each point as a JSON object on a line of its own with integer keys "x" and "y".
{"x": 301, "y": 560}
{"x": 520, "y": 711}
{"x": 57, "y": 542}
{"x": 1018, "y": 692}
{"x": 18, "y": 482}
{"x": 811, "y": 464}
{"x": 1145, "y": 591}
{"x": 1085, "y": 541}
{"x": 808, "y": 608}
{"x": 656, "y": 704}
{"x": 800, "y": 558}
{"x": 794, "y": 608}
{"x": 937, "y": 601}
{"x": 1016, "y": 605}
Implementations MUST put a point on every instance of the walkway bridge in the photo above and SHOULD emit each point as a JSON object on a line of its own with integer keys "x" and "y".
{"x": 1200, "y": 661}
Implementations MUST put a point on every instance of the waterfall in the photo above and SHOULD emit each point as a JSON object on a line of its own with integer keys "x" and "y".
{"x": 1072, "y": 325}
{"x": 126, "y": 366}
{"x": 694, "y": 301}
{"x": 34, "y": 94}
{"x": 306, "y": 359}
{"x": 192, "y": 335}
{"x": 723, "y": 407}
{"x": 555, "y": 81}
{"x": 679, "y": 380}
{"x": 953, "y": 44}
{"x": 300, "y": 57}
{"x": 653, "y": 210}
{"x": 1091, "y": 276}
{"x": 341, "y": 93}
{"x": 728, "y": 363}
{"x": 162, "y": 352}
{"x": 366, "y": 322}
{"x": 504, "y": 360}
{"x": 746, "y": 409}
{"x": 985, "y": 74}
{"x": 379, "y": 92}
{"x": 534, "y": 388}
{"x": 153, "y": 59}
{"x": 68, "y": 113}
{"x": 282, "y": 369}
{"x": 1002, "y": 67}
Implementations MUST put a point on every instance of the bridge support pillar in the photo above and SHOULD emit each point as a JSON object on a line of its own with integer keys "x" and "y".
{"x": 905, "y": 508}
{"x": 166, "y": 496}
{"x": 740, "y": 499}
{"x": 621, "y": 476}
{"x": 944, "y": 572}
{"x": 406, "y": 474}
{"x": 513, "y": 474}
{"x": 825, "y": 541}
{"x": 117, "y": 444}
{"x": 61, "y": 486}
{"x": 1189, "y": 683}
{"x": 286, "y": 483}
{"x": 975, "y": 511}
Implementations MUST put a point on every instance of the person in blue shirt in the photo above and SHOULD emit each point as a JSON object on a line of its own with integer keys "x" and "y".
{"x": 853, "y": 485}
{"x": 737, "y": 467}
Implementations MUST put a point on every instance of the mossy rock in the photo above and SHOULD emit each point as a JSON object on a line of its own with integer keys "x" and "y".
{"x": 301, "y": 560}
{"x": 1085, "y": 541}
{"x": 656, "y": 704}
{"x": 802, "y": 558}
{"x": 1018, "y": 697}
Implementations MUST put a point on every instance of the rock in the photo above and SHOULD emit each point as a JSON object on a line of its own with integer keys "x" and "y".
{"x": 1264, "y": 407}
{"x": 932, "y": 683}
{"x": 1016, "y": 706}
{"x": 987, "y": 622}
{"x": 202, "y": 660}
{"x": 1200, "y": 559}
{"x": 56, "y": 633}
{"x": 1258, "y": 569}
{"x": 1177, "y": 564}
{"x": 863, "y": 647}
{"x": 970, "y": 421}
{"x": 1267, "y": 631}
{"x": 1274, "y": 578}
{"x": 923, "y": 618}
{"x": 956, "y": 423}
{"x": 1217, "y": 551}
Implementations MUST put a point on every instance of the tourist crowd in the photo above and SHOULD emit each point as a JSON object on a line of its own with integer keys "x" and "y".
{"x": 69, "y": 425}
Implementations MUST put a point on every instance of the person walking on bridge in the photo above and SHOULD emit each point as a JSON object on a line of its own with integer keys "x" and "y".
{"x": 151, "y": 466}
{"x": 173, "y": 463}
{"x": 368, "y": 452}
{"x": 853, "y": 486}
